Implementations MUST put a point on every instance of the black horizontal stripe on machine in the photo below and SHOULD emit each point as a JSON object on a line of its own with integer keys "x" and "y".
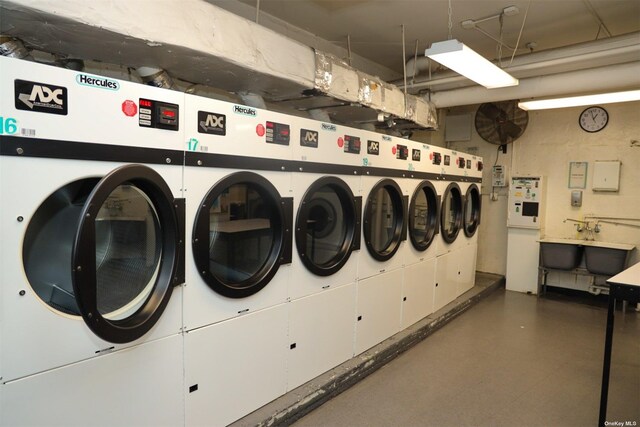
{"x": 227, "y": 161}
{"x": 78, "y": 150}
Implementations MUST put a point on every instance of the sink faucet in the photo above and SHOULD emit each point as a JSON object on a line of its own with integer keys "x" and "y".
{"x": 585, "y": 226}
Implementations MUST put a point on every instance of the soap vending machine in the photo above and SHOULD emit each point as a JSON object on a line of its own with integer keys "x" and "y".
{"x": 524, "y": 227}
{"x": 525, "y": 202}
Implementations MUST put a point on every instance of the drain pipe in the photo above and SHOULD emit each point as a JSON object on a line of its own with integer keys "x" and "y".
{"x": 157, "y": 77}
{"x": 14, "y": 48}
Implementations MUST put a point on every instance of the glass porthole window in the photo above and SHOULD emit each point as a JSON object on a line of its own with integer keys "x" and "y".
{"x": 472, "y": 208}
{"x": 239, "y": 234}
{"x": 423, "y": 216}
{"x": 327, "y": 226}
{"x": 384, "y": 220}
{"x": 451, "y": 213}
{"x": 107, "y": 250}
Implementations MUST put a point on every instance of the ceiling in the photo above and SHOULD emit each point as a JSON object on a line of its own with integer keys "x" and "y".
{"x": 374, "y": 27}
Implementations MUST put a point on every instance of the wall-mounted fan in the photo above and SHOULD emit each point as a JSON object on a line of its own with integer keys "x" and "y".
{"x": 501, "y": 122}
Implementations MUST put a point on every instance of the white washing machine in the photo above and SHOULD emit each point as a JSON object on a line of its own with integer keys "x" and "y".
{"x": 328, "y": 206}
{"x": 380, "y": 272}
{"x": 423, "y": 228}
{"x": 455, "y": 263}
{"x": 470, "y": 180}
{"x": 239, "y": 222}
{"x": 92, "y": 262}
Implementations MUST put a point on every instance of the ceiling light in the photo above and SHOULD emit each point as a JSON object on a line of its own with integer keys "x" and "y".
{"x": 464, "y": 60}
{"x": 575, "y": 101}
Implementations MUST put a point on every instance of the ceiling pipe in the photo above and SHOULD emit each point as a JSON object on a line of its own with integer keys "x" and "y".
{"x": 618, "y": 77}
{"x": 626, "y": 46}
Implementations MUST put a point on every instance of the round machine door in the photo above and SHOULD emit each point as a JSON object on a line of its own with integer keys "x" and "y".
{"x": 109, "y": 250}
{"x": 451, "y": 213}
{"x": 423, "y": 216}
{"x": 384, "y": 220}
{"x": 241, "y": 235}
{"x": 472, "y": 208}
{"x": 327, "y": 226}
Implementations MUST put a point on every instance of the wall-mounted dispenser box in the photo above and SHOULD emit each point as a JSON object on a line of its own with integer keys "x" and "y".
{"x": 576, "y": 198}
{"x": 606, "y": 175}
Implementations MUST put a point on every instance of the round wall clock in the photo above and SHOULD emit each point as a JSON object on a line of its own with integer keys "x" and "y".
{"x": 593, "y": 119}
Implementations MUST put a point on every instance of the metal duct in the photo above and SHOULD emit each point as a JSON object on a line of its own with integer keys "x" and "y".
{"x": 14, "y": 48}
{"x": 157, "y": 77}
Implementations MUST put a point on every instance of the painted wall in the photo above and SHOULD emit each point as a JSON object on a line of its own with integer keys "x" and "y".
{"x": 552, "y": 140}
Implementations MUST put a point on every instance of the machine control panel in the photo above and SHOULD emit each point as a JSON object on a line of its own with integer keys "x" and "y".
{"x": 525, "y": 202}
{"x": 352, "y": 144}
{"x": 402, "y": 152}
{"x": 436, "y": 158}
{"x": 277, "y": 133}
{"x": 158, "y": 114}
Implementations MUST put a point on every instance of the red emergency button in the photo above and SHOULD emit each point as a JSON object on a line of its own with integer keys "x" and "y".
{"x": 129, "y": 108}
{"x": 394, "y": 149}
{"x": 260, "y": 129}
{"x": 340, "y": 142}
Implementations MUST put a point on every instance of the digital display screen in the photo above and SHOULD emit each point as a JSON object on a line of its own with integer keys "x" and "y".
{"x": 529, "y": 209}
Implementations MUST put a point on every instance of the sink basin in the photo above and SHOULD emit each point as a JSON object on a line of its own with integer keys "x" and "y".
{"x": 560, "y": 255}
{"x": 607, "y": 259}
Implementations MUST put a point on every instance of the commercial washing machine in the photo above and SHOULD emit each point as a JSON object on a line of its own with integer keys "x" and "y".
{"x": 455, "y": 263}
{"x": 92, "y": 249}
{"x": 423, "y": 228}
{"x": 239, "y": 221}
{"x": 470, "y": 180}
{"x": 380, "y": 272}
{"x": 328, "y": 206}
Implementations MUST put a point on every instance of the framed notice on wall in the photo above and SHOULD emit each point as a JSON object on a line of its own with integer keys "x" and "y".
{"x": 578, "y": 174}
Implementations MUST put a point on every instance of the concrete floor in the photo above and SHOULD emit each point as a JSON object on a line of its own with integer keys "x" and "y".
{"x": 511, "y": 360}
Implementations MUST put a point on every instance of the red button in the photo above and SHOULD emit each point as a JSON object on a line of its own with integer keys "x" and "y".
{"x": 129, "y": 108}
{"x": 340, "y": 142}
{"x": 394, "y": 149}
{"x": 260, "y": 130}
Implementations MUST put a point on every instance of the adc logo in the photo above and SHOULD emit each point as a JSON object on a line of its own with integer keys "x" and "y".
{"x": 247, "y": 111}
{"x": 415, "y": 155}
{"x": 308, "y": 138}
{"x": 40, "y": 97}
{"x": 373, "y": 147}
{"x": 212, "y": 123}
{"x": 327, "y": 126}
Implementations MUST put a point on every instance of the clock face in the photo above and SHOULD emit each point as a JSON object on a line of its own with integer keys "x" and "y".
{"x": 594, "y": 119}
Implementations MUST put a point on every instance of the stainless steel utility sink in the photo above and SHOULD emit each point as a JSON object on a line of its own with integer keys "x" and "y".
{"x": 560, "y": 255}
{"x": 607, "y": 259}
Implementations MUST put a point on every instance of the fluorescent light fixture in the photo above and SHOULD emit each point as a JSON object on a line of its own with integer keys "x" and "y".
{"x": 575, "y": 101}
{"x": 464, "y": 60}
